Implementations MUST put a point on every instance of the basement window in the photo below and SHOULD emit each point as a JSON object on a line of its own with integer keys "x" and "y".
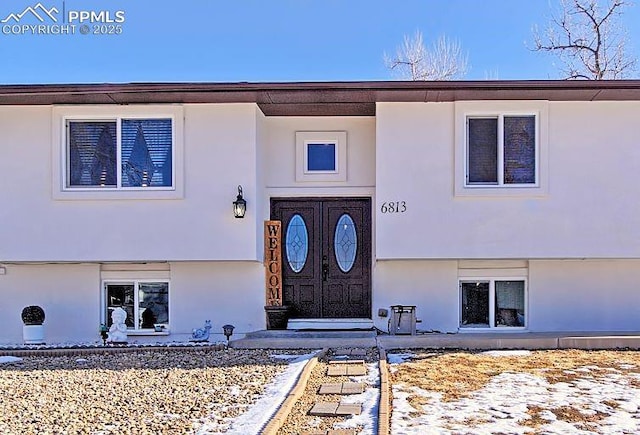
{"x": 493, "y": 303}
{"x": 145, "y": 301}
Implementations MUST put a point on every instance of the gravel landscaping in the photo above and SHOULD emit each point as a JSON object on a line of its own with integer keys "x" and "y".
{"x": 142, "y": 392}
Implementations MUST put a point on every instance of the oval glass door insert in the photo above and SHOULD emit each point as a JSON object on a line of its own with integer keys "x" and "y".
{"x": 345, "y": 243}
{"x": 297, "y": 243}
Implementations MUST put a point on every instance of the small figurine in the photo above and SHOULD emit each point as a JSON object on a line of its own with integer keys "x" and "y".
{"x": 201, "y": 334}
{"x": 118, "y": 330}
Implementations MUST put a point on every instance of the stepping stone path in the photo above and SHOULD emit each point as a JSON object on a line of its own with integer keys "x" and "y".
{"x": 332, "y": 432}
{"x": 346, "y": 362}
{"x": 343, "y": 388}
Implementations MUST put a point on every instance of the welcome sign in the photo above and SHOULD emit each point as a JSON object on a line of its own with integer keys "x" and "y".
{"x": 273, "y": 262}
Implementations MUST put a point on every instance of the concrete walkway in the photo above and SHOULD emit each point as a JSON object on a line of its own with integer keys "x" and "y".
{"x": 468, "y": 340}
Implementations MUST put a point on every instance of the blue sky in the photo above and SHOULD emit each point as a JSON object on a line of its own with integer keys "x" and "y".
{"x": 292, "y": 40}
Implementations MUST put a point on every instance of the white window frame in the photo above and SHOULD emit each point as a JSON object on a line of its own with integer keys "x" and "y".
{"x": 492, "y": 303}
{"x": 63, "y": 114}
{"x": 500, "y": 157}
{"x": 304, "y": 138}
{"x": 465, "y": 110}
{"x": 125, "y": 280}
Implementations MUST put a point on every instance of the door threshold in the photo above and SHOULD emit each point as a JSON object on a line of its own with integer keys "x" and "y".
{"x": 330, "y": 324}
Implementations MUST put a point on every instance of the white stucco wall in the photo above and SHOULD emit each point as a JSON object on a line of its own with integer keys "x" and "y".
{"x": 410, "y": 152}
{"x": 429, "y": 285}
{"x": 588, "y": 166}
{"x": 562, "y": 295}
{"x": 223, "y": 292}
{"x": 68, "y": 293}
{"x": 279, "y": 161}
{"x": 220, "y": 291}
{"x": 219, "y": 154}
{"x": 574, "y": 295}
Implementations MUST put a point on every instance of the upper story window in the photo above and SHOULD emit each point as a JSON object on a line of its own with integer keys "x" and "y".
{"x": 120, "y": 153}
{"x": 501, "y": 150}
{"x": 321, "y": 156}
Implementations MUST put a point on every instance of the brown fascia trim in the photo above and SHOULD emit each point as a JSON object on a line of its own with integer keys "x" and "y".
{"x": 319, "y": 98}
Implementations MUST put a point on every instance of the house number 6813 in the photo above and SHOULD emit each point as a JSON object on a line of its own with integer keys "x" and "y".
{"x": 393, "y": 207}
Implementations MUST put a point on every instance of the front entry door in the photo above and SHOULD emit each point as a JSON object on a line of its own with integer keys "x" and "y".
{"x": 326, "y": 256}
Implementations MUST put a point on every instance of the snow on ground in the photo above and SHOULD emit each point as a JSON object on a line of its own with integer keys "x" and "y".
{"x": 369, "y": 400}
{"x": 9, "y": 359}
{"x": 397, "y": 358}
{"x": 502, "y": 406}
{"x": 258, "y": 414}
{"x": 507, "y": 353}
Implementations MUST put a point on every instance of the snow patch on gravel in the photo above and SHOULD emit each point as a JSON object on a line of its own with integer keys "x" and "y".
{"x": 258, "y": 414}
{"x": 9, "y": 359}
{"x": 399, "y": 358}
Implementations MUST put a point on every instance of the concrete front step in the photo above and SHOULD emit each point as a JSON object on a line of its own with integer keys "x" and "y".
{"x": 330, "y": 324}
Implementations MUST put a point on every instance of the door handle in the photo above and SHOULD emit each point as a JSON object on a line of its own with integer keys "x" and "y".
{"x": 325, "y": 268}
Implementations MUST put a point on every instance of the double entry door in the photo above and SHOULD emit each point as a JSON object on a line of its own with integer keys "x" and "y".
{"x": 326, "y": 256}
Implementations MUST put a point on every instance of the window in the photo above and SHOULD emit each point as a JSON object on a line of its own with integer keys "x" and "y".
{"x": 492, "y": 303}
{"x": 146, "y": 302}
{"x": 110, "y": 152}
{"x": 121, "y": 153}
{"x": 501, "y": 150}
{"x": 321, "y": 156}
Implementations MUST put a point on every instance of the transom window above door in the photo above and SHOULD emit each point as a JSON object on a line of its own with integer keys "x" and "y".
{"x": 321, "y": 156}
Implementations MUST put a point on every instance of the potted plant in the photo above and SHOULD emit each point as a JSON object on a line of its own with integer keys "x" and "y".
{"x": 33, "y": 330}
{"x": 277, "y": 316}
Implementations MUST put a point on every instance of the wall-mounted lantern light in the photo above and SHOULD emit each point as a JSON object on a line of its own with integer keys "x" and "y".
{"x": 239, "y": 205}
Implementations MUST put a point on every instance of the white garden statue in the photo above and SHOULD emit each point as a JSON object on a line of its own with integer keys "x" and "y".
{"x": 118, "y": 330}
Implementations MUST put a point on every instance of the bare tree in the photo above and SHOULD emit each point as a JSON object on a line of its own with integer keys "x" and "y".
{"x": 589, "y": 40}
{"x": 413, "y": 61}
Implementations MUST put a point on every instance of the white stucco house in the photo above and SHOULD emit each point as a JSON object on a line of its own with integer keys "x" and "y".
{"x": 489, "y": 206}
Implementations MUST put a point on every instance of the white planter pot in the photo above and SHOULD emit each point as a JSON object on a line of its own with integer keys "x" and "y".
{"x": 33, "y": 334}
